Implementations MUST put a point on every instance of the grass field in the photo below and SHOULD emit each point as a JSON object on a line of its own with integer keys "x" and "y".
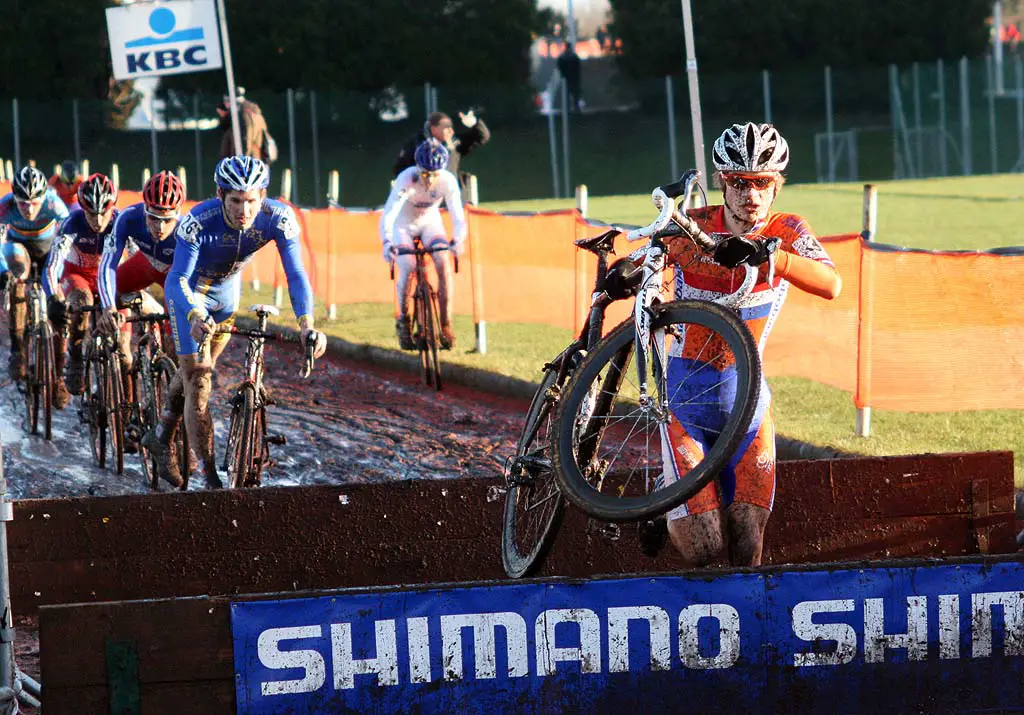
{"x": 971, "y": 213}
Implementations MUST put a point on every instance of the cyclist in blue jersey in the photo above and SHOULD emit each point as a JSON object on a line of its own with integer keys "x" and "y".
{"x": 29, "y": 217}
{"x": 214, "y": 242}
{"x": 70, "y": 279}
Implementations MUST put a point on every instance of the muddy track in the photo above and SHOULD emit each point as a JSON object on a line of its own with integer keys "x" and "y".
{"x": 349, "y": 422}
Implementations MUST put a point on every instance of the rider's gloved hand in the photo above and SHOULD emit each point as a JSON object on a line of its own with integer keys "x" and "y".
{"x": 110, "y": 321}
{"x": 57, "y": 310}
{"x": 388, "y": 254}
{"x": 5, "y": 280}
{"x": 319, "y": 341}
{"x": 736, "y": 250}
{"x": 202, "y": 326}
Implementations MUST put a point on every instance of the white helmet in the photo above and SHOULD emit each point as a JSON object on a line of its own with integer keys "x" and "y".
{"x": 29, "y": 183}
{"x": 241, "y": 173}
{"x": 751, "y": 147}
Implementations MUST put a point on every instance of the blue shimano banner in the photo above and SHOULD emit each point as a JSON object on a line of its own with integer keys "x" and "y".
{"x": 867, "y": 640}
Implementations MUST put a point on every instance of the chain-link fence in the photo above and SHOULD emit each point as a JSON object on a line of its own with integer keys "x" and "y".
{"x": 927, "y": 119}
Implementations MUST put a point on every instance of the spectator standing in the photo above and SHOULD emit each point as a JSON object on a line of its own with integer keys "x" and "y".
{"x": 569, "y": 66}
{"x": 256, "y": 139}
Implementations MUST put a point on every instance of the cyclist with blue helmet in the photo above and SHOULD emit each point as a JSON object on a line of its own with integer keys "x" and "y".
{"x": 29, "y": 218}
{"x": 213, "y": 243}
{"x": 413, "y": 209}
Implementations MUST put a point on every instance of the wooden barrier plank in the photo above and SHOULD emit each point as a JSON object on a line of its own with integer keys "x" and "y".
{"x": 298, "y": 538}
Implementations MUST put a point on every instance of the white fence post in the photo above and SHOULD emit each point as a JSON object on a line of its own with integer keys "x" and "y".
{"x": 862, "y": 426}
{"x": 333, "y": 189}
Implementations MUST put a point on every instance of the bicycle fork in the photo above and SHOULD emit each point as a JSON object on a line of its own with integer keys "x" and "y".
{"x": 654, "y": 265}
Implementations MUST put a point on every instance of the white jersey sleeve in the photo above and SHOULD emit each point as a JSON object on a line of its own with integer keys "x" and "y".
{"x": 453, "y": 200}
{"x": 401, "y": 191}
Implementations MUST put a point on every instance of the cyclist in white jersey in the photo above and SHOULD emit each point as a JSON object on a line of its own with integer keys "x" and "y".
{"x": 413, "y": 210}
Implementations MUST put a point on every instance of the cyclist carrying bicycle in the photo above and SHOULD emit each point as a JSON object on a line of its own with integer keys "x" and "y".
{"x": 70, "y": 278}
{"x": 29, "y": 217}
{"x": 213, "y": 243}
{"x": 732, "y": 511}
{"x": 412, "y": 209}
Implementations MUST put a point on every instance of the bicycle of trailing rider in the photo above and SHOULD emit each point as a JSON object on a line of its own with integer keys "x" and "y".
{"x": 533, "y": 502}
{"x": 152, "y": 371}
{"x": 614, "y": 422}
{"x": 426, "y": 316}
{"x": 247, "y": 454}
{"x": 39, "y": 380}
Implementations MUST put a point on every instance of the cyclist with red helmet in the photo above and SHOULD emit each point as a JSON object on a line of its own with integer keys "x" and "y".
{"x": 70, "y": 277}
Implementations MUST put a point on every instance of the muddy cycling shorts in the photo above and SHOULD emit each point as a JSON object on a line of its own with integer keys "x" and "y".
{"x": 220, "y": 300}
{"x": 701, "y": 400}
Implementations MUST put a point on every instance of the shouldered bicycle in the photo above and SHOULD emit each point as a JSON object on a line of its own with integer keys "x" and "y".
{"x": 597, "y": 428}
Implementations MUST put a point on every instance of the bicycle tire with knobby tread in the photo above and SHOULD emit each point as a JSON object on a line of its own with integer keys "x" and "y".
{"x": 93, "y": 400}
{"x": 240, "y": 436}
{"x": 112, "y": 407}
{"x": 518, "y": 564}
{"x": 434, "y": 343}
{"x": 574, "y": 484}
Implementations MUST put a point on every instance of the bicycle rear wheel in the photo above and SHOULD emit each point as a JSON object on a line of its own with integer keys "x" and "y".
{"x": 612, "y": 445}
{"x": 533, "y": 503}
{"x": 421, "y": 331}
{"x": 239, "y": 455}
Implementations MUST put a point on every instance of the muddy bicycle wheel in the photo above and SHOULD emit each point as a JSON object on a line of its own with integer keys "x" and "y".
{"x": 239, "y": 456}
{"x": 612, "y": 443}
{"x": 92, "y": 410}
{"x": 533, "y": 503}
{"x": 112, "y": 405}
{"x": 30, "y": 383}
{"x": 47, "y": 377}
{"x": 434, "y": 339}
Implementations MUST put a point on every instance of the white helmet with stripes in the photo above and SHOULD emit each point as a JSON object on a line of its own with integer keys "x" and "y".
{"x": 752, "y": 148}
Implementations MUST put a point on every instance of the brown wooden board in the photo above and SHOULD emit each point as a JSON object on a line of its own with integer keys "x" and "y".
{"x": 161, "y": 545}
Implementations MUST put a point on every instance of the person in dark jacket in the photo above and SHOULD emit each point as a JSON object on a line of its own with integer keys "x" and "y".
{"x": 439, "y": 125}
{"x": 253, "y": 127}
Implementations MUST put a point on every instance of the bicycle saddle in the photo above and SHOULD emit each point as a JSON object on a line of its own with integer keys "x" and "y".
{"x": 605, "y": 243}
{"x": 262, "y": 308}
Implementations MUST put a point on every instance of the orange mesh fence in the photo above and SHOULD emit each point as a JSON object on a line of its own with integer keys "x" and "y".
{"x": 943, "y": 330}
{"x": 912, "y": 330}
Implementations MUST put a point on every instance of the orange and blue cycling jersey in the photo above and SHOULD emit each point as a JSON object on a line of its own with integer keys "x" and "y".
{"x": 36, "y": 234}
{"x": 701, "y": 372}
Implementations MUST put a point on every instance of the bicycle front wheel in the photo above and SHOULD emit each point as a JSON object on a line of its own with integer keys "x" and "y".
{"x": 31, "y": 381}
{"x": 92, "y": 410}
{"x": 113, "y": 391}
{"x": 616, "y": 429}
{"x": 533, "y": 502}
{"x": 434, "y": 338}
{"x": 239, "y": 457}
{"x": 47, "y": 377}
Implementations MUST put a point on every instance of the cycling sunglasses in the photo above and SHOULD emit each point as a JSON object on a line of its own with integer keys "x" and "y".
{"x": 162, "y": 219}
{"x": 742, "y": 183}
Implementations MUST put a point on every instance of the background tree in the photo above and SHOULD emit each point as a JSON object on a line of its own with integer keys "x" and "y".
{"x": 775, "y": 34}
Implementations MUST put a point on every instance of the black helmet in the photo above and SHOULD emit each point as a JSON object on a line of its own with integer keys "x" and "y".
{"x": 68, "y": 171}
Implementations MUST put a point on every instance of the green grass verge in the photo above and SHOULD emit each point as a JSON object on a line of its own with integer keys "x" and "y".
{"x": 972, "y": 213}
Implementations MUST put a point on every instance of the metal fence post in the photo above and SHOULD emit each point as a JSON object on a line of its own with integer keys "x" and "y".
{"x": 919, "y": 143}
{"x": 965, "y": 117}
{"x": 77, "y": 130}
{"x": 476, "y": 271}
{"x": 766, "y": 90}
{"x": 115, "y": 176}
{"x": 294, "y": 189}
{"x": 152, "y": 132}
{"x": 1018, "y": 74}
{"x": 199, "y": 147}
{"x": 145, "y": 176}
{"x": 433, "y": 98}
{"x": 566, "y": 182}
{"x": 862, "y": 426}
{"x": 940, "y": 69}
{"x": 15, "y": 120}
{"x": 552, "y": 142}
{"x": 316, "y": 149}
{"x": 670, "y": 103}
{"x": 426, "y": 98}
{"x": 993, "y": 140}
{"x": 829, "y": 125}
{"x": 8, "y": 669}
